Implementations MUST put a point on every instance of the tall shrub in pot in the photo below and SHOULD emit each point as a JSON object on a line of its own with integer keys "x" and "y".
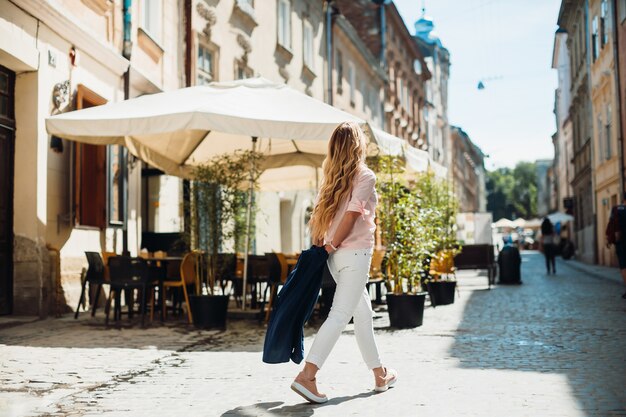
{"x": 219, "y": 205}
{"x": 438, "y": 206}
{"x": 398, "y": 222}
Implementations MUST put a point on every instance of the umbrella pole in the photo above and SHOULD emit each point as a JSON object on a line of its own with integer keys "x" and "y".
{"x": 248, "y": 226}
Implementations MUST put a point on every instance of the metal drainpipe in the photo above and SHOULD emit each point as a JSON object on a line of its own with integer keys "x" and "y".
{"x": 329, "y": 49}
{"x": 126, "y": 52}
{"x": 591, "y": 144}
{"x": 620, "y": 136}
{"x": 383, "y": 61}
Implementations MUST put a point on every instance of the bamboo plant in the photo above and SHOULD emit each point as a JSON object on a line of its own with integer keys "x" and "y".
{"x": 219, "y": 206}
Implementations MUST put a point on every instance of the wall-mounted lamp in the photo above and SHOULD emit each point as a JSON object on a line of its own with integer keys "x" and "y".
{"x": 56, "y": 144}
{"x": 74, "y": 56}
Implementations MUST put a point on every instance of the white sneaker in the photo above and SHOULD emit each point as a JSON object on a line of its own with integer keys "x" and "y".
{"x": 391, "y": 376}
{"x": 308, "y": 395}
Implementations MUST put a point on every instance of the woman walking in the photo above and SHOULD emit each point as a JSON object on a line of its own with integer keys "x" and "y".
{"x": 549, "y": 248}
{"x": 343, "y": 221}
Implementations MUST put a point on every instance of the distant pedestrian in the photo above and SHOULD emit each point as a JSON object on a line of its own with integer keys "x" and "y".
{"x": 616, "y": 235}
{"x": 343, "y": 222}
{"x": 549, "y": 247}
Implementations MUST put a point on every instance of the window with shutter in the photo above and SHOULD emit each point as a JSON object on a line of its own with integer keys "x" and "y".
{"x": 90, "y": 172}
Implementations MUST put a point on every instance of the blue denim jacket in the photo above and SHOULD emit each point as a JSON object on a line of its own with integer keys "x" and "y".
{"x": 284, "y": 339}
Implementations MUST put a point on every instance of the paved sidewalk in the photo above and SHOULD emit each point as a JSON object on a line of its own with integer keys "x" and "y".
{"x": 604, "y": 272}
{"x": 553, "y": 346}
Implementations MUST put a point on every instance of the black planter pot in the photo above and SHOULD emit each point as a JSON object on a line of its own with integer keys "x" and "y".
{"x": 209, "y": 311}
{"x": 406, "y": 310}
{"x": 441, "y": 292}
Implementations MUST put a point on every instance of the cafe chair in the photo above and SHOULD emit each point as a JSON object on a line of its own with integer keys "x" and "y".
{"x": 95, "y": 276}
{"x": 442, "y": 264}
{"x": 129, "y": 274}
{"x": 277, "y": 269}
{"x": 188, "y": 277}
{"x": 257, "y": 275}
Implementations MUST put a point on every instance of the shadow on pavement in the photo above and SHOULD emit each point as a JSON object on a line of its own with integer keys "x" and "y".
{"x": 564, "y": 324}
{"x": 300, "y": 410}
{"x": 91, "y": 333}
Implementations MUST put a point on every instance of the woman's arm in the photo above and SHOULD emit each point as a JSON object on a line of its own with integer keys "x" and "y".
{"x": 343, "y": 230}
{"x": 361, "y": 193}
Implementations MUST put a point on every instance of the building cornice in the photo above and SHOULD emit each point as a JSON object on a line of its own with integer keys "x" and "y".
{"x": 49, "y": 13}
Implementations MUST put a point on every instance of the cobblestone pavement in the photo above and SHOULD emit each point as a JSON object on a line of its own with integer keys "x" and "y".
{"x": 554, "y": 346}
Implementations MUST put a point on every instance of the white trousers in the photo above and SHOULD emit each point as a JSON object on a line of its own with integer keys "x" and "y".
{"x": 350, "y": 270}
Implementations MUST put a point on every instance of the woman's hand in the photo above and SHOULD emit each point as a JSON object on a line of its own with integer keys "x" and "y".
{"x": 329, "y": 249}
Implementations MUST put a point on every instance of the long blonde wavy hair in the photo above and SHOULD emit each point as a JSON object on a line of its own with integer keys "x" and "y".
{"x": 346, "y": 154}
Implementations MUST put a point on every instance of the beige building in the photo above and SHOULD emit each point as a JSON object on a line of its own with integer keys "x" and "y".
{"x": 467, "y": 172}
{"x": 57, "y": 56}
{"x": 563, "y": 137}
{"x": 605, "y": 121}
{"x": 573, "y": 19}
{"x": 435, "y": 113}
{"x": 283, "y": 41}
{"x": 280, "y": 40}
{"x": 358, "y": 79}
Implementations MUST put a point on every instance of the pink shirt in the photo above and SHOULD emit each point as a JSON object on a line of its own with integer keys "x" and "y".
{"x": 363, "y": 200}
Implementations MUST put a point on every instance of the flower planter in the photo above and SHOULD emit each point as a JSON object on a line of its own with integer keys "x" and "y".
{"x": 406, "y": 310}
{"x": 441, "y": 292}
{"x": 209, "y": 311}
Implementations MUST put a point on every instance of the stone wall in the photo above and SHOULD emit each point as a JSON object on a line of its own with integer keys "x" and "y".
{"x": 32, "y": 284}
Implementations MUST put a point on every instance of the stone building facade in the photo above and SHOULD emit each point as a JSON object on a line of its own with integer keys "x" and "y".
{"x": 573, "y": 18}
{"x": 467, "y": 172}
{"x": 605, "y": 120}
{"x": 562, "y": 139}
{"x": 435, "y": 113}
{"x": 358, "y": 80}
{"x": 619, "y": 23}
{"x": 383, "y": 31}
{"x": 66, "y": 198}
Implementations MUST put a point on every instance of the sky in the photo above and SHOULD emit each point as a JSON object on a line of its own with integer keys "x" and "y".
{"x": 508, "y": 44}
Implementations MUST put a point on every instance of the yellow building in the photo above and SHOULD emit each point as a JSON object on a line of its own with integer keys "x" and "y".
{"x": 605, "y": 117}
{"x": 56, "y": 56}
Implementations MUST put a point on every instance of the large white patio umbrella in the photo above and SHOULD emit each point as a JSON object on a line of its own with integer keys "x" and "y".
{"x": 504, "y": 222}
{"x": 177, "y": 130}
{"x": 519, "y": 222}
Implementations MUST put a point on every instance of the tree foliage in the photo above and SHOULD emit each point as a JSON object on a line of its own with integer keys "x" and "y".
{"x": 512, "y": 193}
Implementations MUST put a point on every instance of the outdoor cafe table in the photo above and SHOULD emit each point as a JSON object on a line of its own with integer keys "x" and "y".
{"x": 160, "y": 264}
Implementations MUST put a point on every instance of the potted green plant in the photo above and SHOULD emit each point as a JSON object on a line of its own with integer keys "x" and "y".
{"x": 398, "y": 221}
{"x": 219, "y": 207}
{"x": 438, "y": 206}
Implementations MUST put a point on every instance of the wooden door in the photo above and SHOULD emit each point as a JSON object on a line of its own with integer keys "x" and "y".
{"x": 7, "y": 155}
